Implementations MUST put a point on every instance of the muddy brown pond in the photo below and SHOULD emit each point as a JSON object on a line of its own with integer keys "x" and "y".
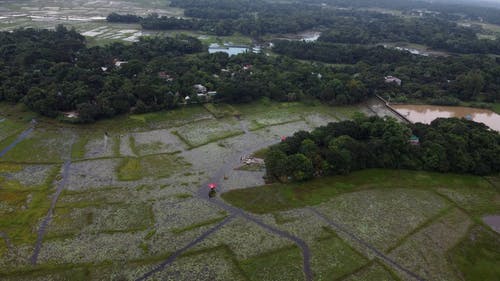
{"x": 427, "y": 113}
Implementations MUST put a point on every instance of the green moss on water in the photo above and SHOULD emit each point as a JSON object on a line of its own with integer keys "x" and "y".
{"x": 183, "y": 196}
{"x": 130, "y": 169}
{"x": 151, "y": 166}
{"x": 10, "y": 167}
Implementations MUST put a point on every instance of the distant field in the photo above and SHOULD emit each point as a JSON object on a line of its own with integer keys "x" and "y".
{"x": 89, "y": 19}
{"x": 490, "y": 27}
{"x": 86, "y": 17}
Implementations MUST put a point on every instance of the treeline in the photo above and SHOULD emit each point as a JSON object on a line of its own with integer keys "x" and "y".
{"x": 446, "y": 145}
{"x": 128, "y": 18}
{"x": 436, "y": 30}
{"x": 53, "y": 72}
{"x": 431, "y": 31}
{"x": 437, "y": 80}
{"x": 156, "y": 22}
{"x": 338, "y": 53}
{"x": 259, "y": 18}
{"x": 277, "y": 20}
{"x": 221, "y": 9}
{"x": 449, "y": 11}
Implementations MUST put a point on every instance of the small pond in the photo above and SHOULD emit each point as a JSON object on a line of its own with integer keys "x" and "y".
{"x": 310, "y": 36}
{"x": 231, "y": 50}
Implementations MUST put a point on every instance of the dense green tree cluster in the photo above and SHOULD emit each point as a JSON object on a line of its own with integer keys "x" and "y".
{"x": 282, "y": 19}
{"x": 53, "y": 72}
{"x": 438, "y": 80}
{"x": 257, "y": 18}
{"x": 446, "y": 145}
{"x": 477, "y": 11}
{"x": 431, "y": 31}
{"x": 155, "y": 22}
{"x": 128, "y": 18}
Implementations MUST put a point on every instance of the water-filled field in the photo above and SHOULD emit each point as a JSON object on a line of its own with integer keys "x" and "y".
{"x": 128, "y": 199}
{"x": 88, "y": 17}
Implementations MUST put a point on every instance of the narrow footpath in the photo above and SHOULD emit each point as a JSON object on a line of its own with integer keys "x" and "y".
{"x": 48, "y": 218}
{"x": 179, "y": 252}
{"x": 19, "y": 139}
{"x": 367, "y": 245}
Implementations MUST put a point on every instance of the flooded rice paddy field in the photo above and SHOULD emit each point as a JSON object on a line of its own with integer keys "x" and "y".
{"x": 88, "y": 17}
{"x": 80, "y": 204}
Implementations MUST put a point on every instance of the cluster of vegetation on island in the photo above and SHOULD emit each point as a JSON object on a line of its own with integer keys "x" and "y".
{"x": 446, "y": 145}
{"x": 346, "y": 25}
{"x": 53, "y": 72}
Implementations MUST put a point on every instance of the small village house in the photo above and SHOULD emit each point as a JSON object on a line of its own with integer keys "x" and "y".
{"x": 392, "y": 79}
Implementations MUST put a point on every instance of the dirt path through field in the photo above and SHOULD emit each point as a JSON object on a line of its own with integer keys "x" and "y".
{"x": 218, "y": 178}
{"x": 19, "y": 139}
{"x": 48, "y": 218}
{"x": 179, "y": 252}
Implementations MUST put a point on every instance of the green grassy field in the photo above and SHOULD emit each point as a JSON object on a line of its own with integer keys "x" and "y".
{"x": 13, "y": 120}
{"x": 156, "y": 166}
{"x": 42, "y": 146}
{"x": 496, "y": 107}
{"x": 278, "y": 197}
{"x": 21, "y": 206}
{"x": 478, "y": 255}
